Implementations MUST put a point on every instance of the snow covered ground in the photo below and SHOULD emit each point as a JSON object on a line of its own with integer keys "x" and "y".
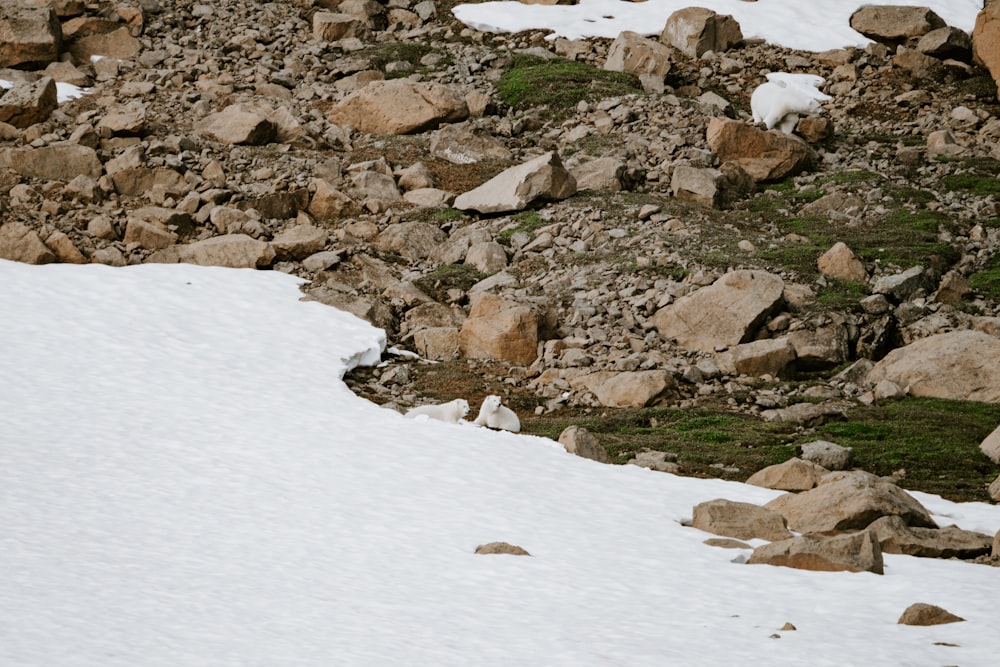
{"x": 816, "y": 25}
{"x": 186, "y": 480}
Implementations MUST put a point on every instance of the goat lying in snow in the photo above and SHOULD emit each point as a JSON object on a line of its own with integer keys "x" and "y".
{"x": 494, "y": 415}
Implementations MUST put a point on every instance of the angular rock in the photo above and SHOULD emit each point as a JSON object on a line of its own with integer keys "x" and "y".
{"x": 638, "y": 55}
{"x": 714, "y": 188}
{"x": 927, "y": 614}
{"x": 986, "y": 41}
{"x": 237, "y": 251}
{"x": 333, "y": 26}
{"x": 959, "y": 365}
{"x": 855, "y": 552}
{"x": 769, "y": 356}
{"x": 64, "y": 248}
{"x": 633, "y": 389}
{"x": 542, "y": 179}
{"x": 765, "y": 156}
{"x": 602, "y": 174}
{"x": 429, "y": 198}
{"x": 658, "y": 461}
{"x": 400, "y": 106}
{"x": 578, "y": 440}
{"x": 895, "y": 537}
{"x": 237, "y": 124}
{"x": 298, "y": 242}
{"x": 28, "y": 103}
{"x": 488, "y": 257}
{"x": 829, "y": 455}
{"x": 819, "y": 349}
{"x": 118, "y": 44}
{"x": 792, "y": 475}
{"x": 991, "y": 446}
{"x": 849, "y": 501}
{"x": 946, "y": 42}
{"x": 329, "y": 203}
{"x": 743, "y": 521}
{"x": 413, "y": 240}
{"x": 694, "y": 31}
{"x": 20, "y": 243}
{"x": 499, "y": 329}
{"x": 889, "y": 24}
{"x": 808, "y": 414}
{"x": 29, "y": 36}
{"x": 726, "y": 313}
{"x": 903, "y": 286}
{"x": 124, "y": 120}
{"x": 149, "y": 234}
{"x": 501, "y": 548}
{"x": 437, "y": 343}
{"x": 59, "y": 161}
{"x": 840, "y": 262}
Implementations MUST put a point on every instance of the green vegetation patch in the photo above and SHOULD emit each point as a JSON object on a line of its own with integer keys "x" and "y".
{"x": 528, "y": 222}
{"x": 448, "y": 276}
{"x": 986, "y": 281}
{"x": 560, "y": 84}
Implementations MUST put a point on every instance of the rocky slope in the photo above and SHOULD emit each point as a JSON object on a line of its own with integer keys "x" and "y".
{"x": 648, "y": 246}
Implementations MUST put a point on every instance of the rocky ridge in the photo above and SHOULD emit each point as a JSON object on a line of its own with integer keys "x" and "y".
{"x": 627, "y": 254}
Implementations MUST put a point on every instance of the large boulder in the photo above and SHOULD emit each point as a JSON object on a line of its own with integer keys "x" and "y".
{"x": 769, "y": 356}
{"x": 849, "y": 501}
{"x": 744, "y": 521}
{"x": 991, "y": 445}
{"x": 959, "y": 365}
{"x": 638, "y": 55}
{"x": 400, "y": 106}
{"x": 986, "y": 40}
{"x": 922, "y": 613}
{"x": 59, "y": 161}
{"x": 841, "y": 262}
{"x": 119, "y": 44}
{"x": 28, "y": 103}
{"x": 542, "y": 179}
{"x": 714, "y": 188}
{"x": 891, "y": 24}
{"x": 413, "y": 240}
{"x": 578, "y": 440}
{"x": 29, "y": 36}
{"x": 499, "y": 329}
{"x": 792, "y": 475}
{"x": 632, "y": 389}
{"x": 237, "y": 251}
{"x": 854, "y": 552}
{"x": 765, "y": 156}
{"x": 20, "y": 243}
{"x": 895, "y": 537}
{"x": 727, "y": 312}
{"x": 238, "y": 124}
{"x": 695, "y": 30}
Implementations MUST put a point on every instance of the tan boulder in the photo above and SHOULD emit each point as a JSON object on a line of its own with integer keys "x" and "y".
{"x": 500, "y": 329}
{"x": 694, "y": 31}
{"x": 543, "y": 178}
{"x": 487, "y": 257}
{"x": 849, "y": 501}
{"x": 149, "y": 234}
{"x": 237, "y": 251}
{"x": 638, "y": 55}
{"x": 769, "y": 356}
{"x": 821, "y": 348}
{"x": 501, "y": 548}
{"x": 130, "y": 120}
{"x": 889, "y": 24}
{"x": 792, "y": 475}
{"x": 991, "y": 445}
{"x": 727, "y": 312}
{"x": 238, "y": 124}
{"x": 828, "y": 455}
{"x": 58, "y": 161}
{"x": 28, "y": 36}
{"x": 299, "y": 241}
{"x": 765, "y": 156}
{"x": 743, "y": 521}
{"x": 578, "y": 440}
{"x": 633, "y": 389}
{"x": 118, "y": 44}
{"x": 20, "y": 243}
{"x": 437, "y": 343}
{"x": 329, "y": 203}
{"x": 714, "y": 188}
{"x": 927, "y": 614}
{"x": 854, "y": 552}
{"x": 986, "y": 40}
{"x": 461, "y": 143}
{"x": 994, "y": 491}
{"x": 28, "y": 103}
{"x": 960, "y": 365}
{"x": 64, "y": 248}
{"x": 895, "y": 537}
{"x": 400, "y": 106}
{"x": 841, "y": 262}
{"x": 413, "y": 240}
{"x": 334, "y": 26}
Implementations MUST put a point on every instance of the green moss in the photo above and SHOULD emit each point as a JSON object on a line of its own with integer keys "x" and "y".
{"x": 526, "y": 221}
{"x": 986, "y": 281}
{"x": 560, "y": 84}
